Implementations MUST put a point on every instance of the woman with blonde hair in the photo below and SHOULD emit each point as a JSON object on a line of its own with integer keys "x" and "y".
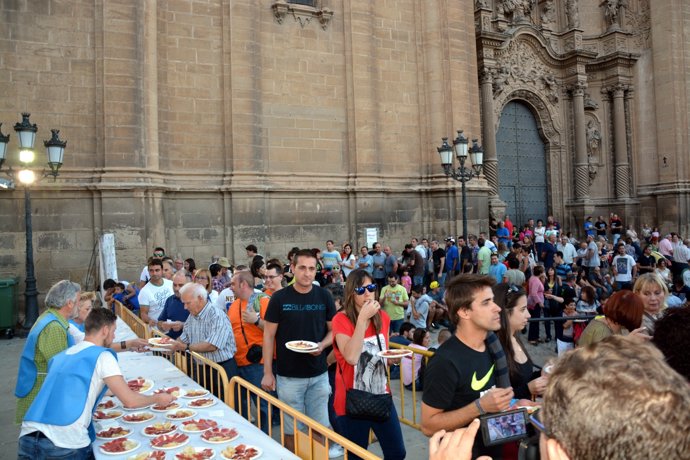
{"x": 203, "y": 277}
{"x": 653, "y": 291}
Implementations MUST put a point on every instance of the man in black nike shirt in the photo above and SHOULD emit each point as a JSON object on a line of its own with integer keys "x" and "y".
{"x": 462, "y": 374}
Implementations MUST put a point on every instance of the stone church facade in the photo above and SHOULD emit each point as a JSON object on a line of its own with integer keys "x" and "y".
{"x": 206, "y": 125}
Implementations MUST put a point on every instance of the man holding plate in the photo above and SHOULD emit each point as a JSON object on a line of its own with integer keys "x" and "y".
{"x": 300, "y": 313}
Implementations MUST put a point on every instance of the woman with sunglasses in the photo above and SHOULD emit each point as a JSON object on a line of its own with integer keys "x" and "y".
{"x": 349, "y": 260}
{"x": 514, "y": 315}
{"x": 360, "y": 331}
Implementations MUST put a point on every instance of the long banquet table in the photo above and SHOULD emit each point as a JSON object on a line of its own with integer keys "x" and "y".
{"x": 165, "y": 374}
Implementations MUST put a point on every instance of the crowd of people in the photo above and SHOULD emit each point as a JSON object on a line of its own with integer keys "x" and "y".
{"x": 478, "y": 292}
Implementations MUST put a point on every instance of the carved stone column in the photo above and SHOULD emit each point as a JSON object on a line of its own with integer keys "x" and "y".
{"x": 620, "y": 142}
{"x": 489, "y": 131}
{"x": 581, "y": 166}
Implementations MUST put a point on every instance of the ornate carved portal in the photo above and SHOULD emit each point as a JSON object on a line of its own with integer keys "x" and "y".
{"x": 540, "y": 53}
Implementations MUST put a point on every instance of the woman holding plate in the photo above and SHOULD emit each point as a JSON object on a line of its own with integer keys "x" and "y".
{"x": 361, "y": 335}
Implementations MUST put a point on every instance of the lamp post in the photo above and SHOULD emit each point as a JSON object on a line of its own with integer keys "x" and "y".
{"x": 462, "y": 174}
{"x": 55, "y": 149}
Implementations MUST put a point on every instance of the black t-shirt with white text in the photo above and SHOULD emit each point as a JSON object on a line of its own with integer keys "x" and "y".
{"x": 300, "y": 317}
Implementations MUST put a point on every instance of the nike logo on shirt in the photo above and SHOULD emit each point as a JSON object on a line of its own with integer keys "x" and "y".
{"x": 477, "y": 385}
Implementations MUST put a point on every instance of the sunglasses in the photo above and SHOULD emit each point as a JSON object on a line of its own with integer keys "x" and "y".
{"x": 271, "y": 277}
{"x": 360, "y": 290}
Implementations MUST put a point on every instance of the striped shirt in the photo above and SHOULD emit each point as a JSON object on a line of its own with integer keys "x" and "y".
{"x": 211, "y": 326}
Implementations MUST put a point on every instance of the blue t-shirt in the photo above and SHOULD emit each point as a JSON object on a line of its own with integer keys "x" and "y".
{"x": 174, "y": 310}
{"x": 452, "y": 258}
{"x": 497, "y": 271}
{"x": 503, "y": 235}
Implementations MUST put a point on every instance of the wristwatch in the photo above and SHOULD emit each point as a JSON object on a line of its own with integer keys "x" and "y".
{"x": 187, "y": 349}
{"x": 258, "y": 318}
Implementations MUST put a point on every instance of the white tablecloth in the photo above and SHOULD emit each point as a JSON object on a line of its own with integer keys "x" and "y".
{"x": 123, "y": 331}
{"x": 165, "y": 374}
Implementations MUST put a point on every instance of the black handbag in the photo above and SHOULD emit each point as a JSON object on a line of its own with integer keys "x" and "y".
{"x": 255, "y": 352}
{"x": 363, "y": 405}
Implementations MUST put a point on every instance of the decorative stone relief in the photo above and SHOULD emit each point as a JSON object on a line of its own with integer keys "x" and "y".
{"x": 638, "y": 20}
{"x": 572, "y": 14}
{"x": 548, "y": 13}
{"x": 590, "y": 104}
{"x": 611, "y": 13}
{"x": 593, "y": 148}
{"x": 521, "y": 66}
{"x": 518, "y": 10}
{"x": 303, "y": 14}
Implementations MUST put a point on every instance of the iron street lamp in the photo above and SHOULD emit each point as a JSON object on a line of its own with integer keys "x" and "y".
{"x": 462, "y": 174}
{"x": 55, "y": 149}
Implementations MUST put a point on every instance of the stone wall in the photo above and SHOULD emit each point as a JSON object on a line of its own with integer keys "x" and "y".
{"x": 203, "y": 126}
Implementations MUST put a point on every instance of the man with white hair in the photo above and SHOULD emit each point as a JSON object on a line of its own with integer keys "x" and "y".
{"x": 48, "y": 337}
{"x": 207, "y": 330}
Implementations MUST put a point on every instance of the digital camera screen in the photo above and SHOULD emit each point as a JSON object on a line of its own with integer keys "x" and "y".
{"x": 504, "y": 427}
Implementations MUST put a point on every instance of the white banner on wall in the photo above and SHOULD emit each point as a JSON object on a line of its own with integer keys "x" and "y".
{"x": 107, "y": 262}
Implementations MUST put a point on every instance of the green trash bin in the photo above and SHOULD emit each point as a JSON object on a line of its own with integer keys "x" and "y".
{"x": 8, "y": 303}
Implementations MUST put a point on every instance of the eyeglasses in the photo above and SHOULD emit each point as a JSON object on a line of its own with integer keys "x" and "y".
{"x": 360, "y": 290}
{"x": 158, "y": 254}
{"x": 271, "y": 277}
{"x": 535, "y": 420}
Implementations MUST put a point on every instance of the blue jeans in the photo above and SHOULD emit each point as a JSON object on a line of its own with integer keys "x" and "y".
{"x": 395, "y": 325}
{"x": 253, "y": 373}
{"x": 418, "y": 280}
{"x": 388, "y": 433}
{"x": 35, "y": 447}
{"x": 307, "y": 395}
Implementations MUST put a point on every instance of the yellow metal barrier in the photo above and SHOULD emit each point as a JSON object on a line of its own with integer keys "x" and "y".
{"x": 306, "y": 446}
{"x": 208, "y": 374}
{"x": 139, "y": 327}
{"x": 416, "y": 354}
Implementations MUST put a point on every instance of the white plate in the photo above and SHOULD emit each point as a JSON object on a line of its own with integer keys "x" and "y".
{"x": 223, "y": 441}
{"x": 116, "y": 437}
{"x": 193, "y": 413}
{"x": 148, "y": 453}
{"x": 109, "y": 418}
{"x": 103, "y": 409}
{"x": 153, "y": 408}
{"x": 143, "y": 431}
{"x": 312, "y": 346}
{"x": 197, "y": 449}
{"x": 175, "y": 392}
{"x": 212, "y": 403}
{"x": 183, "y": 427}
{"x": 139, "y": 421}
{"x": 398, "y": 353}
{"x": 124, "y": 451}
{"x": 156, "y": 342}
{"x": 258, "y": 452}
{"x": 136, "y": 409}
{"x": 186, "y": 394}
{"x": 184, "y": 443}
{"x": 148, "y": 385}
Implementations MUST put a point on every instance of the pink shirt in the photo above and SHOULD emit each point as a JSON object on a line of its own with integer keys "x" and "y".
{"x": 665, "y": 247}
{"x": 536, "y": 292}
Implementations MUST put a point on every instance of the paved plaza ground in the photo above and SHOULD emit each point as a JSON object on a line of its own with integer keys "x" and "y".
{"x": 415, "y": 441}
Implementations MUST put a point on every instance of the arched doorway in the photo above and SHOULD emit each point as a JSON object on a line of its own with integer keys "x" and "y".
{"x": 521, "y": 164}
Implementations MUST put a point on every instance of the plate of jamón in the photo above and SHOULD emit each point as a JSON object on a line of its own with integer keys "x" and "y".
{"x": 175, "y": 391}
{"x": 150, "y": 455}
{"x": 182, "y": 414}
{"x": 114, "y": 432}
{"x": 241, "y": 452}
{"x": 119, "y": 446}
{"x": 166, "y": 407}
{"x": 107, "y": 415}
{"x": 161, "y": 341}
{"x": 195, "y": 453}
{"x": 158, "y": 429}
{"x": 195, "y": 393}
{"x": 140, "y": 384}
{"x": 198, "y": 425}
{"x": 138, "y": 417}
{"x": 202, "y": 402}
{"x": 219, "y": 435}
{"x": 106, "y": 405}
{"x": 169, "y": 441}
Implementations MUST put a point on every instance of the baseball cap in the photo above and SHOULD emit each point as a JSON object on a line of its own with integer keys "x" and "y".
{"x": 434, "y": 284}
{"x": 451, "y": 239}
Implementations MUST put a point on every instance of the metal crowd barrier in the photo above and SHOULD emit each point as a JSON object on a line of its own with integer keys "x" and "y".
{"x": 213, "y": 377}
{"x": 306, "y": 446}
{"x": 416, "y": 354}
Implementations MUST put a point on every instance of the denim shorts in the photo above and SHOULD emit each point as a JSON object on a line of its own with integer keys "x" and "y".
{"x": 36, "y": 446}
{"x": 308, "y": 395}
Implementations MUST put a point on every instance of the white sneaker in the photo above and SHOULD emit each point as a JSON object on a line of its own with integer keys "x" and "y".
{"x": 335, "y": 450}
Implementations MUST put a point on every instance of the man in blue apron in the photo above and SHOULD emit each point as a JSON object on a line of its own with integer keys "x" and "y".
{"x": 59, "y": 421}
{"x": 48, "y": 337}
